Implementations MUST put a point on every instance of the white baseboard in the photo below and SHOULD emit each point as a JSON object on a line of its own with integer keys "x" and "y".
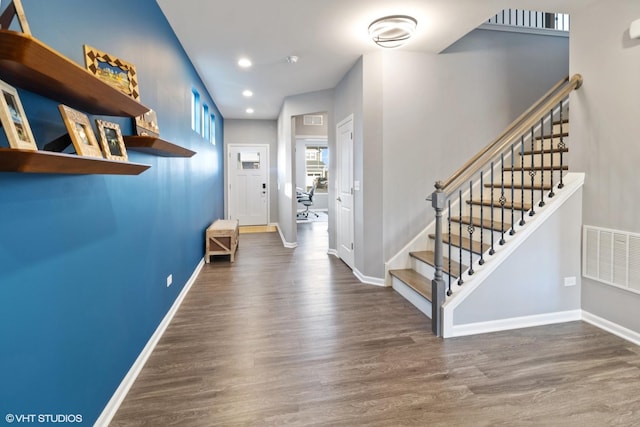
{"x": 418, "y": 301}
{"x": 333, "y": 252}
{"x": 614, "y": 328}
{"x": 515, "y": 323}
{"x": 284, "y": 241}
{"x": 376, "y": 281}
{"x": 121, "y": 392}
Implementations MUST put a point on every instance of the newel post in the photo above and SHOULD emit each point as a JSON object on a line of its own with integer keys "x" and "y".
{"x": 437, "y": 284}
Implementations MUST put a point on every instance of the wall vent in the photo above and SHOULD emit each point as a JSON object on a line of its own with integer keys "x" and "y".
{"x": 611, "y": 257}
{"x": 313, "y": 120}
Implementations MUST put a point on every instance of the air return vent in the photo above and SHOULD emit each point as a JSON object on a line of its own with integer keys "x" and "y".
{"x": 313, "y": 120}
{"x": 612, "y": 257}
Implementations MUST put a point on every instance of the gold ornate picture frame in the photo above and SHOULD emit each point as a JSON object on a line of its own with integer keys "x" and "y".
{"x": 14, "y": 120}
{"x": 112, "y": 70}
{"x": 81, "y": 132}
{"x": 111, "y": 140}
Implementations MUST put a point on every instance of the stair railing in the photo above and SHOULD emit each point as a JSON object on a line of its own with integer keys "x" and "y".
{"x": 534, "y": 123}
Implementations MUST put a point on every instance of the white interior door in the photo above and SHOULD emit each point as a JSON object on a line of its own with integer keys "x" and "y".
{"x": 344, "y": 200}
{"x": 248, "y": 192}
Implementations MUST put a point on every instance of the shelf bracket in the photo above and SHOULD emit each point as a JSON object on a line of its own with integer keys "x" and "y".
{"x": 15, "y": 9}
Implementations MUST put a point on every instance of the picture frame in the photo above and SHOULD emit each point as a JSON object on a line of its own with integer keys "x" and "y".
{"x": 14, "y": 120}
{"x": 147, "y": 124}
{"x": 111, "y": 141}
{"x": 81, "y": 132}
{"x": 13, "y": 10}
{"x": 112, "y": 70}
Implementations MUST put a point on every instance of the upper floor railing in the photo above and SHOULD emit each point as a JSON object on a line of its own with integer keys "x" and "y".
{"x": 531, "y": 19}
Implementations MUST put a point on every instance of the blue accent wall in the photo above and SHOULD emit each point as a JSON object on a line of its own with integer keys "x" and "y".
{"x": 84, "y": 258}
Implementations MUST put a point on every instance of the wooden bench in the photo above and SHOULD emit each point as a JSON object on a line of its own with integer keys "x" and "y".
{"x": 221, "y": 239}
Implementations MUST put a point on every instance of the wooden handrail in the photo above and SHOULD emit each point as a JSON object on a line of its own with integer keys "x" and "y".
{"x": 525, "y": 121}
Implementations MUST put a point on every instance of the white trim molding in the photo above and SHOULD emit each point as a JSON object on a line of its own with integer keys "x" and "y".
{"x": 516, "y": 323}
{"x": 284, "y": 241}
{"x": 127, "y": 382}
{"x": 614, "y": 328}
{"x": 368, "y": 279}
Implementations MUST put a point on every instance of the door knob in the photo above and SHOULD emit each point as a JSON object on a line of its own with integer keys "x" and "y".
{"x": 339, "y": 199}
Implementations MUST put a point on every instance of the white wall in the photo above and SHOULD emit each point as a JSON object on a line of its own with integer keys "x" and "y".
{"x": 605, "y": 135}
{"x": 255, "y": 132}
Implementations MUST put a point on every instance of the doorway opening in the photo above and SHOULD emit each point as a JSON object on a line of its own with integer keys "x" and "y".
{"x": 312, "y": 178}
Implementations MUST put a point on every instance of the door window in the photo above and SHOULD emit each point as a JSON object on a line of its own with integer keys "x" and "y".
{"x": 248, "y": 160}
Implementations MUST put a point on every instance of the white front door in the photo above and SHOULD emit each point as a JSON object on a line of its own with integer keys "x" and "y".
{"x": 344, "y": 199}
{"x": 248, "y": 192}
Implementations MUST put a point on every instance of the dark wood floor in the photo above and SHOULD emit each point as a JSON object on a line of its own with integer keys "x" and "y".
{"x": 290, "y": 338}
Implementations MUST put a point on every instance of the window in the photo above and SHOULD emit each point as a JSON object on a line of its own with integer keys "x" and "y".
{"x": 317, "y": 159}
{"x": 205, "y": 121}
{"x": 212, "y": 129}
{"x": 248, "y": 160}
{"x": 195, "y": 110}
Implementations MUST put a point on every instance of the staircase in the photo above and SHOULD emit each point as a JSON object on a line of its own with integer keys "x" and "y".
{"x": 487, "y": 205}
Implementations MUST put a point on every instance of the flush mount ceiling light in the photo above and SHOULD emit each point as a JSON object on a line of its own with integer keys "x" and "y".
{"x": 247, "y": 93}
{"x": 249, "y": 110}
{"x": 244, "y": 63}
{"x": 392, "y": 31}
{"x": 291, "y": 59}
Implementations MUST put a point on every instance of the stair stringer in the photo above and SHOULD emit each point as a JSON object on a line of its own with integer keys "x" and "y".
{"x": 477, "y": 289}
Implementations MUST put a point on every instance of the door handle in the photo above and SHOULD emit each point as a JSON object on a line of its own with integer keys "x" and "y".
{"x": 339, "y": 199}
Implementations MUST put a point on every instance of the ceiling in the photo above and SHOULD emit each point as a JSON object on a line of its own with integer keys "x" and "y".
{"x": 328, "y": 37}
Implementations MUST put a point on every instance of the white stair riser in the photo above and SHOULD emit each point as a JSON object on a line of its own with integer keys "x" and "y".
{"x": 455, "y": 253}
{"x": 547, "y": 143}
{"x": 420, "y": 302}
{"x": 427, "y": 270}
{"x": 475, "y": 210}
{"x": 557, "y": 128}
{"x": 517, "y": 178}
{"x": 538, "y": 159}
{"x": 455, "y": 229}
{"x": 485, "y": 240}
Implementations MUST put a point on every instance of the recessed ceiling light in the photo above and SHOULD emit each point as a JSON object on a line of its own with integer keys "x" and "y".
{"x": 249, "y": 110}
{"x": 292, "y": 59}
{"x": 392, "y": 31}
{"x": 247, "y": 93}
{"x": 244, "y": 63}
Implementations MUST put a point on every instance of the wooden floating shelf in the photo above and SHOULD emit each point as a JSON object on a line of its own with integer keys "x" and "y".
{"x": 27, "y": 63}
{"x": 156, "y": 146}
{"x": 13, "y": 160}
